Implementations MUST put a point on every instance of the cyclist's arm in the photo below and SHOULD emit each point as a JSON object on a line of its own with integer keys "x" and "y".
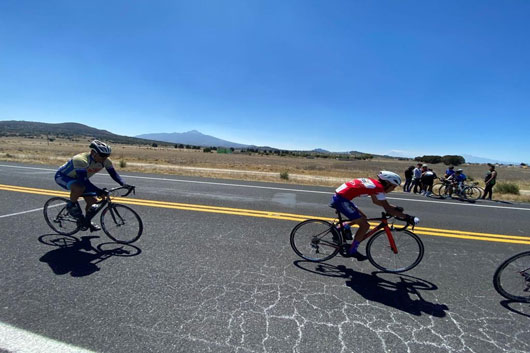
{"x": 390, "y": 209}
{"x": 114, "y": 175}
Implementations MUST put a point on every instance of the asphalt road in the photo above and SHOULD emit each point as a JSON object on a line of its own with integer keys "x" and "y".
{"x": 214, "y": 272}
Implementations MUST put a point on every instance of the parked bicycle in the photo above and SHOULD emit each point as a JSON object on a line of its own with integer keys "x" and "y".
{"x": 512, "y": 278}
{"x": 121, "y": 223}
{"x": 390, "y": 249}
{"x": 446, "y": 188}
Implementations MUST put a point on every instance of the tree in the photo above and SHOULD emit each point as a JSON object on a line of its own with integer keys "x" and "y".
{"x": 453, "y": 160}
{"x": 429, "y": 159}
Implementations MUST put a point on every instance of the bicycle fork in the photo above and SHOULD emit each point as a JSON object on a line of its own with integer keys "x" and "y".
{"x": 391, "y": 239}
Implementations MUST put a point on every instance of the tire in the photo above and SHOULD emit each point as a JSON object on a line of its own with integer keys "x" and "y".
{"x": 436, "y": 188}
{"x": 472, "y": 193}
{"x": 512, "y": 278}
{"x": 315, "y": 240}
{"x": 58, "y": 218}
{"x": 121, "y": 223}
{"x": 409, "y": 246}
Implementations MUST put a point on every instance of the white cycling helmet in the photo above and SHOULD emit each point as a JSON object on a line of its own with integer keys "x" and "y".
{"x": 391, "y": 177}
{"x": 100, "y": 147}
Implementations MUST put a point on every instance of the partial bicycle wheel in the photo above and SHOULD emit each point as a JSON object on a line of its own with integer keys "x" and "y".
{"x": 315, "y": 240}
{"x": 121, "y": 223}
{"x": 436, "y": 188}
{"x": 58, "y": 218}
{"x": 472, "y": 193}
{"x": 409, "y": 251}
{"x": 512, "y": 278}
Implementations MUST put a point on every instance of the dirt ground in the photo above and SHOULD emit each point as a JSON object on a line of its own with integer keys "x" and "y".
{"x": 316, "y": 171}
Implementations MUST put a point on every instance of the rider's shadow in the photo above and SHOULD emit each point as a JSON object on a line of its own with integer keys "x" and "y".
{"x": 401, "y": 291}
{"x": 78, "y": 256}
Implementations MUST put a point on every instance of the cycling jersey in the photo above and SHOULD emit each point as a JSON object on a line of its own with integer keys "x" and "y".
{"x": 449, "y": 172}
{"x": 360, "y": 187}
{"x": 83, "y": 162}
{"x": 460, "y": 178}
{"x": 80, "y": 168}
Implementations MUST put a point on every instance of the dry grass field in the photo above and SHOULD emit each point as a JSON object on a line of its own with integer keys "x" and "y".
{"x": 169, "y": 160}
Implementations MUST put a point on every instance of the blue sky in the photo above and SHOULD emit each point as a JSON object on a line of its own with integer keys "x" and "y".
{"x": 420, "y": 77}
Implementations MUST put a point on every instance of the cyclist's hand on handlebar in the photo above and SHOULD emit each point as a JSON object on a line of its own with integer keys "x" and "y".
{"x": 127, "y": 186}
{"x": 103, "y": 192}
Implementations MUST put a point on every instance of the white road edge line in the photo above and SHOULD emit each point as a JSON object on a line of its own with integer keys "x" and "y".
{"x": 282, "y": 189}
{"x": 17, "y": 340}
{"x": 19, "y": 213}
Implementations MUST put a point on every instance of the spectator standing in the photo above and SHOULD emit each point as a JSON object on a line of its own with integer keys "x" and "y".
{"x": 427, "y": 180}
{"x": 417, "y": 179}
{"x": 490, "y": 180}
{"x": 408, "y": 178}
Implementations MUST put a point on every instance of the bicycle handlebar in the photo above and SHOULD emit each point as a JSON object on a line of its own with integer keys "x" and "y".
{"x": 129, "y": 188}
{"x": 410, "y": 220}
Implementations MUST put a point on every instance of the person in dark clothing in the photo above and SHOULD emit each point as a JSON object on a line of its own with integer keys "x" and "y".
{"x": 408, "y": 178}
{"x": 490, "y": 180}
{"x": 427, "y": 180}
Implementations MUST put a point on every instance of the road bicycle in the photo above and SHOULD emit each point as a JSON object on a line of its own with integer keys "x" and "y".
{"x": 389, "y": 248}
{"x": 512, "y": 278}
{"x": 446, "y": 188}
{"x": 121, "y": 223}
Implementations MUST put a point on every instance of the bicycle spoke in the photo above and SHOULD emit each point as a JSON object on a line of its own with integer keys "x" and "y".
{"x": 58, "y": 218}
{"x": 409, "y": 251}
{"x": 512, "y": 278}
{"x": 315, "y": 240}
{"x": 121, "y": 223}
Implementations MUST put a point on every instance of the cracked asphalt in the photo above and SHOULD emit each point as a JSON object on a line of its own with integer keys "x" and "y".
{"x": 211, "y": 282}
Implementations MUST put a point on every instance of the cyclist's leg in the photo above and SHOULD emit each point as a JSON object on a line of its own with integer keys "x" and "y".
{"x": 348, "y": 208}
{"x": 76, "y": 191}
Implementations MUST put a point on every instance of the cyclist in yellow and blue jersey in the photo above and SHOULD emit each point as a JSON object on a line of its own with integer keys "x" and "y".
{"x": 74, "y": 176}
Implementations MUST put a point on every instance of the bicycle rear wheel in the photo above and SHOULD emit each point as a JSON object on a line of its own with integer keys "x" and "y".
{"x": 58, "y": 218}
{"x": 121, "y": 223}
{"x": 409, "y": 251}
{"x": 512, "y": 278}
{"x": 315, "y": 240}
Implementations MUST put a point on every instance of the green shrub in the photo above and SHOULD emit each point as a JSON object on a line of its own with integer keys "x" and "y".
{"x": 123, "y": 164}
{"x": 284, "y": 175}
{"x": 507, "y": 188}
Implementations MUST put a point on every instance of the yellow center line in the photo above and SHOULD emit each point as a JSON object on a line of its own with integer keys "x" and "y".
{"x": 277, "y": 215}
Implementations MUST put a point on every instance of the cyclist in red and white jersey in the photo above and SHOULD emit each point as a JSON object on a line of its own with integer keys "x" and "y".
{"x": 377, "y": 189}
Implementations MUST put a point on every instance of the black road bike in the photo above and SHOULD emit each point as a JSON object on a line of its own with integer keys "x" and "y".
{"x": 512, "y": 278}
{"x": 121, "y": 223}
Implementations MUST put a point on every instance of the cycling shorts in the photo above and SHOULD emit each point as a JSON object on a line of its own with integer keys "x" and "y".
{"x": 66, "y": 182}
{"x": 346, "y": 207}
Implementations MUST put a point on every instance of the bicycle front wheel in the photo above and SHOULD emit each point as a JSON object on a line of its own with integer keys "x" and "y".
{"x": 58, "y": 218}
{"x": 315, "y": 240}
{"x": 409, "y": 251}
{"x": 121, "y": 223}
{"x": 472, "y": 193}
{"x": 512, "y": 278}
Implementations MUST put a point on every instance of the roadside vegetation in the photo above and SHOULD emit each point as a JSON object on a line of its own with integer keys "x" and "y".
{"x": 299, "y": 168}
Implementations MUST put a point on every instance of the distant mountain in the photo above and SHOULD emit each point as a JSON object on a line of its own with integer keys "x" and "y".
{"x": 192, "y": 137}
{"x": 474, "y": 159}
{"x": 66, "y": 130}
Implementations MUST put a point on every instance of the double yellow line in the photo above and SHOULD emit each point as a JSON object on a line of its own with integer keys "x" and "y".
{"x": 276, "y": 215}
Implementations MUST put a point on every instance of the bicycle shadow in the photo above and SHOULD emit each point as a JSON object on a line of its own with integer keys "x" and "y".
{"x": 78, "y": 256}
{"x": 396, "y": 294}
{"x": 524, "y": 308}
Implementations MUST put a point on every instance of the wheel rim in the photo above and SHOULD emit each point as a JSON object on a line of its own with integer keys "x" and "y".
{"x": 512, "y": 279}
{"x": 380, "y": 254}
{"x": 58, "y": 218}
{"x": 315, "y": 240}
{"x": 121, "y": 224}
